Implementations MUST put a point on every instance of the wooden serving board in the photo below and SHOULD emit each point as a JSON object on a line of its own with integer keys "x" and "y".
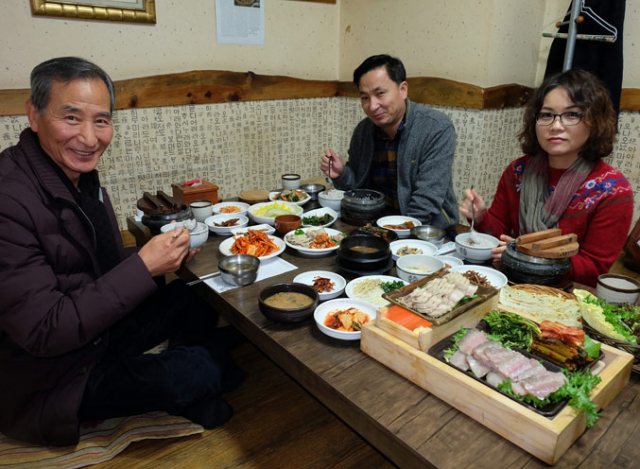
{"x": 550, "y": 244}
{"x": 545, "y": 438}
{"x": 424, "y": 337}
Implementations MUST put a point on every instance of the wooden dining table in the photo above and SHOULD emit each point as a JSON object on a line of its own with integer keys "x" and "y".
{"x": 407, "y": 424}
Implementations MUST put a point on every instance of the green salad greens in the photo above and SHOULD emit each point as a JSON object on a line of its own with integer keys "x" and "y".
{"x": 619, "y": 317}
{"x": 577, "y": 389}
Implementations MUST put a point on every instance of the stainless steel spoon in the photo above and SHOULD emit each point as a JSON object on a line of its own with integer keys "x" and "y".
{"x": 473, "y": 234}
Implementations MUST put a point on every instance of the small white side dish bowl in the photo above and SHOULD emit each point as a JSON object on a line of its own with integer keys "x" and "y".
{"x": 339, "y": 283}
{"x": 496, "y": 278}
{"x": 319, "y": 212}
{"x": 222, "y": 206}
{"x": 426, "y": 248}
{"x": 264, "y": 227}
{"x": 451, "y": 260}
{"x": 413, "y": 267}
{"x": 225, "y": 230}
{"x": 618, "y": 289}
{"x": 274, "y": 194}
{"x": 474, "y": 253}
{"x": 277, "y": 208}
{"x": 342, "y": 303}
{"x": 197, "y": 236}
{"x": 398, "y": 220}
{"x": 331, "y": 198}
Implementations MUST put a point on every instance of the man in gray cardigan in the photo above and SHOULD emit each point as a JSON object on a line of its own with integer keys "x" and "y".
{"x": 402, "y": 149}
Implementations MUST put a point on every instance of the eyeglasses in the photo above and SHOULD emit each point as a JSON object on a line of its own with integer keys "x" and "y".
{"x": 566, "y": 118}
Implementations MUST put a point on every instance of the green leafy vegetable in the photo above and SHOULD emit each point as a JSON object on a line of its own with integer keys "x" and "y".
{"x": 576, "y": 389}
{"x": 591, "y": 347}
{"x": 315, "y": 220}
{"x": 390, "y": 286}
{"x": 614, "y": 316}
{"x": 298, "y": 232}
{"x": 448, "y": 353}
{"x": 512, "y": 330}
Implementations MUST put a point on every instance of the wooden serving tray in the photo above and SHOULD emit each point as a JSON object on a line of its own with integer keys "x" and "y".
{"x": 424, "y": 337}
{"x": 545, "y": 438}
{"x": 484, "y": 293}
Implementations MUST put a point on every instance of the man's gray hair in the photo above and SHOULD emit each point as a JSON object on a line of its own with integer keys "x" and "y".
{"x": 65, "y": 70}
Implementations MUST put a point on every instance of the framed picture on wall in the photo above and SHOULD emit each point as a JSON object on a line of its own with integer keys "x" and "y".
{"x": 136, "y": 11}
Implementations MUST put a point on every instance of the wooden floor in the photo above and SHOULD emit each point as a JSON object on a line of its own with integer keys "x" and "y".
{"x": 276, "y": 424}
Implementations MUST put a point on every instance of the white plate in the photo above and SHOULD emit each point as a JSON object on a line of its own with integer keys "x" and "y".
{"x": 338, "y": 282}
{"x": 292, "y": 209}
{"x": 314, "y": 252}
{"x": 451, "y": 260}
{"x": 343, "y": 303}
{"x": 427, "y": 248}
{"x": 496, "y": 278}
{"x": 225, "y": 247}
{"x": 225, "y": 230}
{"x": 243, "y": 208}
{"x": 272, "y": 196}
{"x": 385, "y": 278}
{"x": 318, "y": 213}
{"x": 398, "y": 220}
{"x": 263, "y": 227}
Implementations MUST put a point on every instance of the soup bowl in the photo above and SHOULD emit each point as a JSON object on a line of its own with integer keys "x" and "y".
{"x": 430, "y": 233}
{"x": 279, "y": 310}
{"x": 239, "y": 269}
{"x": 618, "y": 289}
{"x": 413, "y": 267}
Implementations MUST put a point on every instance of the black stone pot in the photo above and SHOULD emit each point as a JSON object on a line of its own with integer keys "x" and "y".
{"x": 523, "y": 268}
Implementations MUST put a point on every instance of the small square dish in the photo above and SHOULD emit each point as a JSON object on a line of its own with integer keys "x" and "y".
{"x": 465, "y": 304}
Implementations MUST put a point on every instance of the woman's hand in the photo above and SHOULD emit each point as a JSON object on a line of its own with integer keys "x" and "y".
{"x": 472, "y": 197}
{"x": 336, "y": 165}
{"x": 496, "y": 253}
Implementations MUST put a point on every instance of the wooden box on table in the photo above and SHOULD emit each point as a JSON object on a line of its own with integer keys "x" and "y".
{"x": 191, "y": 193}
{"x": 543, "y": 437}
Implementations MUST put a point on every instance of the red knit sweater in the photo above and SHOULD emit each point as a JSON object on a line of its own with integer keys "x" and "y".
{"x": 600, "y": 213}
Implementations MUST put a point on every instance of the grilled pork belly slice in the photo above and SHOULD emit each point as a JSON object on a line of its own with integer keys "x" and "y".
{"x": 459, "y": 360}
{"x": 494, "y": 378}
{"x": 471, "y": 340}
{"x": 484, "y": 357}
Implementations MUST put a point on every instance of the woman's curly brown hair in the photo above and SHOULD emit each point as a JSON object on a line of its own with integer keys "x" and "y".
{"x": 592, "y": 97}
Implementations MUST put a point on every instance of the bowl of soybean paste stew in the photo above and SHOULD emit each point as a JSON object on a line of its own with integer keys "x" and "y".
{"x": 288, "y": 302}
{"x": 364, "y": 253}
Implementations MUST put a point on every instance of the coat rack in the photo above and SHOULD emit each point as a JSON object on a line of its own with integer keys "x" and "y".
{"x": 578, "y": 8}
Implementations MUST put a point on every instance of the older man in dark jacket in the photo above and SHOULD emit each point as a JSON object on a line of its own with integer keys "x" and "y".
{"x": 76, "y": 314}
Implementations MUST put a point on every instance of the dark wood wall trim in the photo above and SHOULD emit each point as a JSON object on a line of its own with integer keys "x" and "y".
{"x": 207, "y": 87}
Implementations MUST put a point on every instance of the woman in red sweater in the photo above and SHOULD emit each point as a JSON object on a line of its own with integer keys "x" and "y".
{"x": 561, "y": 182}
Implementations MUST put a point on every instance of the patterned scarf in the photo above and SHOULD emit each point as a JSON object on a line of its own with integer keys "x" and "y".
{"x": 538, "y": 210}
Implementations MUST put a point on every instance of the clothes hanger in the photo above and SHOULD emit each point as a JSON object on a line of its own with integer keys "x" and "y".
{"x": 575, "y": 17}
{"x": 577, "y": 10}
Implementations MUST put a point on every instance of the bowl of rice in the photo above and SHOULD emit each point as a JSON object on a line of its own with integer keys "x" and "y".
{"x": 331, "y": 198}
{"x": 478, "y": 251}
